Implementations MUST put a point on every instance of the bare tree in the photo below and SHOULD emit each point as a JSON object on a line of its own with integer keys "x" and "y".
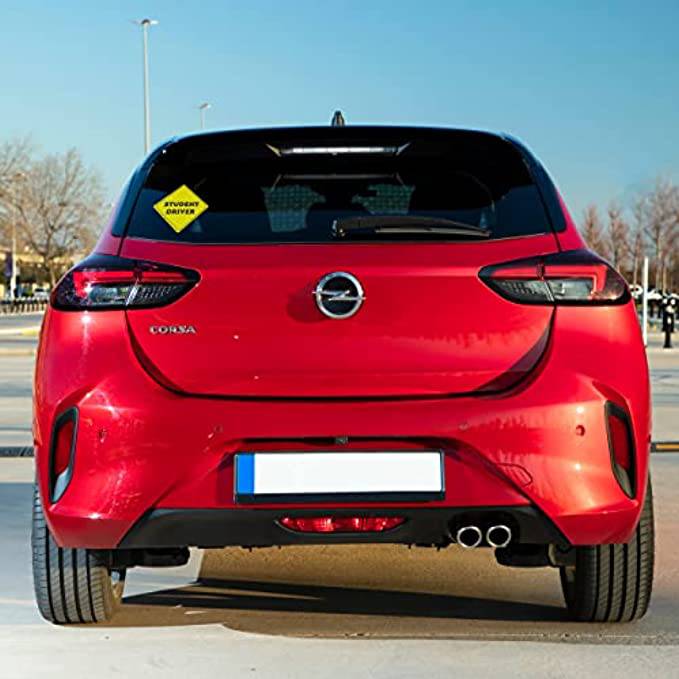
{"x": 57, "y": 205}
{"x": 15, "y": 158}
{"x": 593, "y": 232}
{"x": 658, "y": 214}
{"x": 637, "y": 251}
{"x": 618, "y": 236}
{"x": 15, "y": 155}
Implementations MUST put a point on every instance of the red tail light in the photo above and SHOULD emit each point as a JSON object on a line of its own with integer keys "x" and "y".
{"x": 104, "y": 282}
{"x": 575, "y": 277}
{"x": 341, "y": 524}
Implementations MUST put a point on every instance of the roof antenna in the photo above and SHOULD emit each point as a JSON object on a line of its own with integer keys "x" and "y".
{"x": 338, "y": 119}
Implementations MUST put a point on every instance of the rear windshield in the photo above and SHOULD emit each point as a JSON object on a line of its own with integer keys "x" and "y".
{"x": 264, "y": 188}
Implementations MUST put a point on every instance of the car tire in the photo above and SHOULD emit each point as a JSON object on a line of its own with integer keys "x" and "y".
{"x": 612, "y": 583}
{"x": 72, "y": 586}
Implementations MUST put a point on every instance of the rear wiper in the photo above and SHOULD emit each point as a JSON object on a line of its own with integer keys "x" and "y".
{"x": 405, "y": 225}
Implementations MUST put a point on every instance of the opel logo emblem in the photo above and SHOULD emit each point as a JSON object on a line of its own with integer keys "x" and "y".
{"x": 339, "y": 295}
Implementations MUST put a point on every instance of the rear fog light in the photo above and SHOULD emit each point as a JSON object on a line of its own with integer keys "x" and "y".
{"x": 341, "y": 524}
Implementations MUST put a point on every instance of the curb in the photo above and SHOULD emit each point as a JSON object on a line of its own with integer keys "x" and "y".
{"x": 17, "y": 352}
{"x": 30, "y": 331}
{"x": 665, "y": 447}
{"x": 16, "y": 451}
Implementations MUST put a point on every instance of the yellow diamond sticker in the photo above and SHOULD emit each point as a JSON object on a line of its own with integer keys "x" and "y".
{"x": 180, "y": 208}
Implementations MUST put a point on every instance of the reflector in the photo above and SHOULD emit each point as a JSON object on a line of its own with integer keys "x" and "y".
{"x": 341, "y": 524}
{"x": 621, "y": 445}
{"x": 62, "y": 448}
{"x": 620, "y": 442}
{"x": 61, "y": 453}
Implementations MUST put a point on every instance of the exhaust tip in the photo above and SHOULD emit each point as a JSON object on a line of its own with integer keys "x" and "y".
{"x": 499, "y": 536}
{"x": 469, "y": 537}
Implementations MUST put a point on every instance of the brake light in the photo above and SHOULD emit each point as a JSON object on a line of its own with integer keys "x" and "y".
{"x": 341, "y": 524}
{"x": 105, "y": 282}
{"x": 575, "y": 277}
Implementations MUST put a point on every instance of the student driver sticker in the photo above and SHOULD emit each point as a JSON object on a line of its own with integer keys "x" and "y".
{"x": 180, "y": 208}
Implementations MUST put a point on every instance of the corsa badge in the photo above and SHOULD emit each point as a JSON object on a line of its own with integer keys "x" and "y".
{"x": 172, "y": 329}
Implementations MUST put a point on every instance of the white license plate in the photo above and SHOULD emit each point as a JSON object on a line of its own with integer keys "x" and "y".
{"x": 365, "y": 476}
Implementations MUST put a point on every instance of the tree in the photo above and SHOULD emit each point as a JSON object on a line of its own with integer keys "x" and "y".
{"x": 592, "y": 231}
{"x": 15, "y": 157}
{"x": 658, "y": 213}
{"x": 58, "y": 204}
{"x": 618, "y": 237}
{"x": 637, "y": 252}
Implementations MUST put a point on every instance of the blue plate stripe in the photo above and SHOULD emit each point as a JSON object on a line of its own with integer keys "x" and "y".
{"x": 245, "y": 473}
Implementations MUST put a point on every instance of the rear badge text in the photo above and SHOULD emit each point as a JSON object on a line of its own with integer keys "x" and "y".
{"x": 172, "y": 329}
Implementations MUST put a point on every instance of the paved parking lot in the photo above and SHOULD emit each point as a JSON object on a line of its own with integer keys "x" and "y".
{"x": 382, "y": 611}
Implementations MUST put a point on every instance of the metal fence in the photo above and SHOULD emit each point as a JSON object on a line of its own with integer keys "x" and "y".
{"x": 22, "y": 306}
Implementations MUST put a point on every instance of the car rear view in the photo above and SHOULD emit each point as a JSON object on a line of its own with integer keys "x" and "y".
{"x": 342, "y": 335}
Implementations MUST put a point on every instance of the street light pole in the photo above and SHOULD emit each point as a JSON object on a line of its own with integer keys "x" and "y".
{"x": 145, "y": 23}
{"x": 202, "y": 108}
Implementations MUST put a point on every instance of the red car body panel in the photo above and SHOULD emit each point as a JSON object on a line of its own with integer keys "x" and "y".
{"x": 140, "y": 445}
{"x": 256, "y": 304}
{"x": 514, "y": 395}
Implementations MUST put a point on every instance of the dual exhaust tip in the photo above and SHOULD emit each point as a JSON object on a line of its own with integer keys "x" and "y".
{"x": 470, "y": 537}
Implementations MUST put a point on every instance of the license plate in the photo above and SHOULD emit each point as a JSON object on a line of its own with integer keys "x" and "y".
{"x": 349, "y": 476}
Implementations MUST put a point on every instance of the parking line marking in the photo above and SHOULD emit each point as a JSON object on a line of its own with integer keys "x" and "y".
{"x": 665, "y": 447}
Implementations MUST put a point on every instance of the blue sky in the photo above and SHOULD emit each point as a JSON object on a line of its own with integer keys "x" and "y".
{"x": 592, "y": 87}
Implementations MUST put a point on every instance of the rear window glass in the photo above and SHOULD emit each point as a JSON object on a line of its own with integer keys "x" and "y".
{"x": 264, "y": 189}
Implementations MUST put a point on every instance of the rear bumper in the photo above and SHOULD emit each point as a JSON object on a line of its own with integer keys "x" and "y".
{"x": 143, "y": 451}
{"x": 261, "y": 528}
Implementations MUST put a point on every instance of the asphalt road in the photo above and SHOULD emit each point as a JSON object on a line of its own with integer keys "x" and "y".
{"x": 21, "y": 321}
{"x": 18, "y": 340}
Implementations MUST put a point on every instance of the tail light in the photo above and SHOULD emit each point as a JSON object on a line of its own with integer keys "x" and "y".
{"x": 62, "y": 452}
{"x": 341, "y": 524}
{"x": 576, "y": 277}
{"x": 621, "y": 446}
{"x": 105, "y": 282}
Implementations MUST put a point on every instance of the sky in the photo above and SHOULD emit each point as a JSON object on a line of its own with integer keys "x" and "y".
{"x": 591, "y": 86}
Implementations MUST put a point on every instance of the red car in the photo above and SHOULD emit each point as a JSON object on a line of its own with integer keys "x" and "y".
{"x": 342, "y": 335}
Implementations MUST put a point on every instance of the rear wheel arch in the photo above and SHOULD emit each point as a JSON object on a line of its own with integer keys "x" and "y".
{"x": 72, "y": 585}
{"x": 613, "y": 583}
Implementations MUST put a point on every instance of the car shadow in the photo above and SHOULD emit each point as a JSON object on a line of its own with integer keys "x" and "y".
{"x": 299, "y": 609}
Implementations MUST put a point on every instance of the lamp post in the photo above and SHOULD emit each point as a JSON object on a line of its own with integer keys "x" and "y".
{"x": 145, "y": 23}
{"x": 202, "y": 108}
